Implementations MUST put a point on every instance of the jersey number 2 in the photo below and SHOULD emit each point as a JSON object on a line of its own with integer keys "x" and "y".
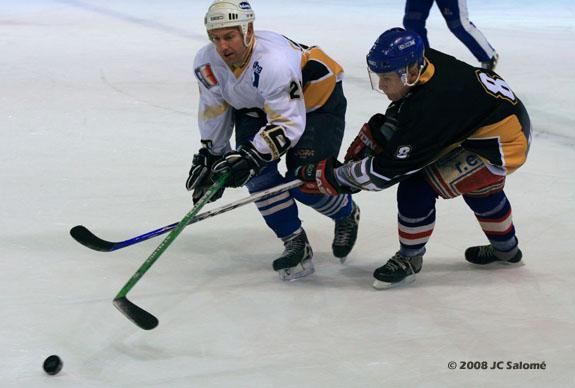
{"x": 294, "y": 91}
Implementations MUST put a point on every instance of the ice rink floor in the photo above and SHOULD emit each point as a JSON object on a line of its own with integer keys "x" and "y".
{"x": 98, "y": 106}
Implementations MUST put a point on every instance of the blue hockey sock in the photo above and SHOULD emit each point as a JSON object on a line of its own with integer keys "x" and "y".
{"x": 335, "y": 207}
{"x": 279, "y": 211}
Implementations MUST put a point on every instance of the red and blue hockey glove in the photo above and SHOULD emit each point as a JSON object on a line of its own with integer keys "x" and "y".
{"x": 369, "y": 141}
{"x": 319, "y": 178}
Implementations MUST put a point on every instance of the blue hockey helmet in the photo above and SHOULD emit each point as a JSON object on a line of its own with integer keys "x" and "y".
{"x": 394, "y": 50}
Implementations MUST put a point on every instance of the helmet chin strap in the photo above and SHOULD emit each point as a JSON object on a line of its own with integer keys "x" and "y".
{"x": 244, "y": 31}
{"x": 246, "y": 41}
{"x": 406, "y": 72}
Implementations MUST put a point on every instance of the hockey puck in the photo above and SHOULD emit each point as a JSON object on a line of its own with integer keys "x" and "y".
{"x": 53, "y": 365}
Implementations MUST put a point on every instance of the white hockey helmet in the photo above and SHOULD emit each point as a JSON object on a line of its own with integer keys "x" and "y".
{"x": 229, "y": 13}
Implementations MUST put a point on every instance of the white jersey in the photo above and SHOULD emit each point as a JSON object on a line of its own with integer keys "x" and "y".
{"x": 270, "y": 80}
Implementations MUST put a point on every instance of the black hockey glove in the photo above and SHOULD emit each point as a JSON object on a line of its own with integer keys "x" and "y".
{"x": 199, "y": 178}
{"x": 369, "y": 141}
{"x": 319, "y": 178}
{"x": 242, "y": 164}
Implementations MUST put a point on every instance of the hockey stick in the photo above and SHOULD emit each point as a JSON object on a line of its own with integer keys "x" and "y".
{"x": 139, "y": 316}
{"x": 85, "y": 237}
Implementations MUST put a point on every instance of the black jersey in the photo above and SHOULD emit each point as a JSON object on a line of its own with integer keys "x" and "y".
{"x": 453, "y": 104}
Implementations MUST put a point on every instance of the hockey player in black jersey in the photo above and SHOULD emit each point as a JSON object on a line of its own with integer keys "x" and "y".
{"x": 450, "y": 130}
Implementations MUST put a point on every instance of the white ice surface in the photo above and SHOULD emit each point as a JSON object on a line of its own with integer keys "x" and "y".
{"x": 98, "y": 127}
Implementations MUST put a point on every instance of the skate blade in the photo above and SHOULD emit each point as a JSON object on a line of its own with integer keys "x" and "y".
{"x": 297, "y": 272}
{"x": 499, "y": 263}
{"x": 379, "y": 285}
{"x": 511, "y": 263}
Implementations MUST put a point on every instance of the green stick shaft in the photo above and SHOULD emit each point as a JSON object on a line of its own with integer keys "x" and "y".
{"x": 171, "y": 237}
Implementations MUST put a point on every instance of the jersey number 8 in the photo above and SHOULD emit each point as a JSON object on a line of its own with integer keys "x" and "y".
{"x": 496, "y": 87}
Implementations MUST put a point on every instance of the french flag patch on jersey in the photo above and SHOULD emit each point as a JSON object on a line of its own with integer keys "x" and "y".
{"x": 206, "y": 76}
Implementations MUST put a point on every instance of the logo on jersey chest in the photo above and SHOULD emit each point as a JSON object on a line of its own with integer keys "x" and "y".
{"x": 256, "y": 78}
{"x": 403, "y": 152}
{"x": 206, "y": 76}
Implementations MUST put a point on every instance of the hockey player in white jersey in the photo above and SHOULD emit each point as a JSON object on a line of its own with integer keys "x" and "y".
{"x": 282, "y": 99}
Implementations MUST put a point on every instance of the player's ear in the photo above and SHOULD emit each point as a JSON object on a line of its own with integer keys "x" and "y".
{"x": 412, "y": 73}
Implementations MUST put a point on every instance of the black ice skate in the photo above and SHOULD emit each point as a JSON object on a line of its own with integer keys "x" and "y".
{"x": 345, "y": 233}
{"x": 486, "y": 254}
{"x": 398, "y": 270}
{"x": 295, "y": 261}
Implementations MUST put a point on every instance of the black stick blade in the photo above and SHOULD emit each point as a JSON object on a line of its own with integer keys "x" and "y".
{"x": 81, "y": 234}
{"x": 139, "y": 316}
